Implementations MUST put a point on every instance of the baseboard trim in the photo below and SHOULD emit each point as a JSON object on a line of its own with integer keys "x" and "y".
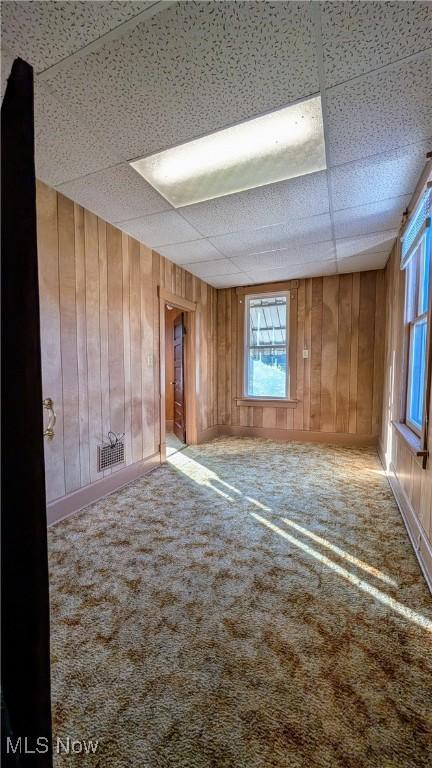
{"x": 60, "y": 508}
{"x": 420, "y": 544}
{"x": 299, "y": 435}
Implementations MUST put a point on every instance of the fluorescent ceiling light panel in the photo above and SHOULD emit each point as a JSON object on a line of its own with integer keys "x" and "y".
{"x": 267, "y": 149}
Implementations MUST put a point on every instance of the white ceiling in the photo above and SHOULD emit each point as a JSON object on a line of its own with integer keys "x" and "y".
{"x": 119, "y": 80}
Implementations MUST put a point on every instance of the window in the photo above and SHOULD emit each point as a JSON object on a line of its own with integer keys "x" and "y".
{"x": 266, "y": 353}
{"x": 416, "y": 260}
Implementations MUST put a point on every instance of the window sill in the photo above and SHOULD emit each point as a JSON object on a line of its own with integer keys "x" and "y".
{"x": 411, "y": 440}
{"x": 265, "y": 402}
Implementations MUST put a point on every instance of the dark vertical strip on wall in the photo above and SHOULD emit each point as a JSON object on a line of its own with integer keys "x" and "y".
{"x": 26, "y": 709}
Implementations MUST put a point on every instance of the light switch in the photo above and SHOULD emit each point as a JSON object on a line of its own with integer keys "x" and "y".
{"x": 305, "y": 354}
{"x": 149, "y": 360}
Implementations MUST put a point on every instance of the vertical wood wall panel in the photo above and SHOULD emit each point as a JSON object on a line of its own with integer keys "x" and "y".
{"x": 103, "y": 329}
{"x": 100, "y": 340}
{"x": 343, "y": 353}
{"x": 149, "y": 312}
{"x": 307, "y": 361}
{"x": 52, "y": 378}
{"x": 329, "y": 349}
{"x": 354, "y": 353}
{"x": 298, "y": 414}
{"x": 152, "y": 270}
{"x": 80, "y": 285}
{"x": 316, "y": 352}
{"x": 68, "y": 326}
{"x": 235, "y": 411}
{"x": 127, "y": 348}
{"x": 115, "y": 329}
{"x": 378, "y": 351}
{"x": 222, "y": 356}
{"x": 135, "y": 351}
{"x": 93, "y": 338}
{"x": 365, "y": 353}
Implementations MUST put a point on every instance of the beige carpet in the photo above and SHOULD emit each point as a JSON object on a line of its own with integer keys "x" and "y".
{"x": 249, "y": 605}
{"x": 173, "y": 444}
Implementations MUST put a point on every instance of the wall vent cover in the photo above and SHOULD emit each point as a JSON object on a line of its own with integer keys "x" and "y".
{"x": 109, "y": 454}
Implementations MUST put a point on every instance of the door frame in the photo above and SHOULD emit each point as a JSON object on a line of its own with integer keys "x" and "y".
{"x": 189, "y": 373}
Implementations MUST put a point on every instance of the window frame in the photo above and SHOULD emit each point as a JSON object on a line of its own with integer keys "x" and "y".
{"x": 415, "y": 437}
{"x": 418, "y": 318}
{"x": 290, "y": 368}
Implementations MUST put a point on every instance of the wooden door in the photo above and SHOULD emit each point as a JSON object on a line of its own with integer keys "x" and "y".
{"x": 179, "y": 399}
{"x": 26, "y": 705}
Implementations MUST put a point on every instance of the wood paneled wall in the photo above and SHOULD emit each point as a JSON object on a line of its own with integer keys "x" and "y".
{"x": 412, "y": 483}
{"x": 340, "y": 321}
{"x": 100, "y": 340}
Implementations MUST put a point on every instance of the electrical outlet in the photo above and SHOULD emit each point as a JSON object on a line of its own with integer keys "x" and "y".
{"x": 305, "y": 354}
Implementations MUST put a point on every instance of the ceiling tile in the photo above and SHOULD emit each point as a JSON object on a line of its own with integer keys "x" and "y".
{"x": 115, "y": 194}
{"x": 383, "y": 110}
{"x": 390, "y": 174}
{"x": 229, "y": 281}
{"x": 264, "y": 206}
{"x": 206, "y": 269}
{"x": 64, "y": 148}
{"x": 358, "y": 37}
{"x": 296, "y": 232}
{"x": 43, "y": 33}
{"x": 286, "y": 256}
{"x": 187, "y": 253}
{"x": 363, "y": 262}
{"x": 160, "y": 229}
{"x": 381, "y": 242}
{"x": 192, "y": 69}
{"x": 291, "y": 272}
{"x": 7, "y": 60}
{"x": 375, "y": 217}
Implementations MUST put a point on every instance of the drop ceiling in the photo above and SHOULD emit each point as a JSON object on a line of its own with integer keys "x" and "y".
{"x": 121, "y": 80}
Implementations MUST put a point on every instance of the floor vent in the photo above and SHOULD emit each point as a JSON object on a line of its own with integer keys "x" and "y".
{"x": 109, "y": 454}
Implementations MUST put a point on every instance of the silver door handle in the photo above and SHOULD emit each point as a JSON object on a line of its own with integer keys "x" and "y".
{"x": 48, "y": 403}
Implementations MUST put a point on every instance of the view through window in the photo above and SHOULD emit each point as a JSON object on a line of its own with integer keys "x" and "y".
{"x": 266, "y": 363}
{"x": 416, "y": 259}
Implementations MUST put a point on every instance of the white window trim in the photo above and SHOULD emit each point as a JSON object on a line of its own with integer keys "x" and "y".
{"x": 265, "y": 295}
{"x": 412, "y": 315}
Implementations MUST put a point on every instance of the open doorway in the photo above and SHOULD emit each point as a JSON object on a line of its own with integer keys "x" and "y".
{"x": 175, "y": 400}
{"x": 178, "y": 372}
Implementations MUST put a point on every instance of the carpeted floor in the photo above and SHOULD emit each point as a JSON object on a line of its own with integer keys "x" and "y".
{"x": 173, "y": 444}
{"x": 249, "y": 605}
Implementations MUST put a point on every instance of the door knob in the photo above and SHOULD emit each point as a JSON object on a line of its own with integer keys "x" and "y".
{"x": 48, "y": 403}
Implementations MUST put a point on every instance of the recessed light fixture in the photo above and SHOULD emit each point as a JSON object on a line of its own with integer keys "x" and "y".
{"x": 274, "y": 147}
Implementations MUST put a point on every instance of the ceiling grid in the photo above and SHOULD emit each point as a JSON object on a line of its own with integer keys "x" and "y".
{"x": 118, "y": 81}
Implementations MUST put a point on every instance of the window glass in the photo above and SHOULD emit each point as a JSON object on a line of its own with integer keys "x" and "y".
{"x": 416, "y": 261}
{"x": 267, "y": 372}
{"x": 425, "y": 266}
{"x": 416, "y": 374}
{"x": 267, "y": 346}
